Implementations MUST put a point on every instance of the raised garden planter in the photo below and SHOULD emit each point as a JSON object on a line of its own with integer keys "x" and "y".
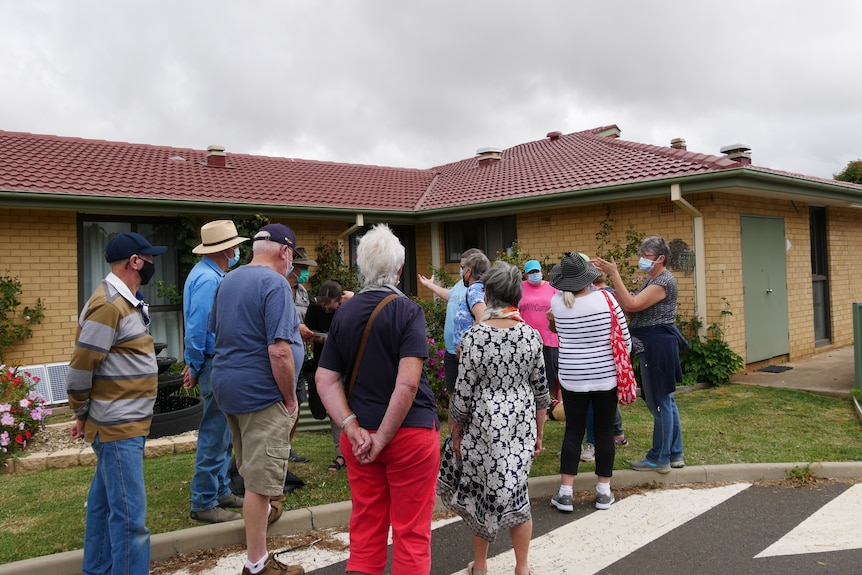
{"x": 173, "y": 414}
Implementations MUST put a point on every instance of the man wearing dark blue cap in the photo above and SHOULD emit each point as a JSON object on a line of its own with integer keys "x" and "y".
{"x": 112, "y": 384}
{"x": 258, "y": 351}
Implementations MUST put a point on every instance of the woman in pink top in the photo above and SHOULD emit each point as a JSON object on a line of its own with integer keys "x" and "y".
{"x": 534, "y": 306}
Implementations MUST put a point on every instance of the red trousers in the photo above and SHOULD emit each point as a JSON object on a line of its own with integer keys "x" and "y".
{"x": 399, "y": 489}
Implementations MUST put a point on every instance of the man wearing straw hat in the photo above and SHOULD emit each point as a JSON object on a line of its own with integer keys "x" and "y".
{"x": 211, "y": 494}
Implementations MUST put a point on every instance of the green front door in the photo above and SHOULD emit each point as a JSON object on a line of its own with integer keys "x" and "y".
{"x": 764, "y": 279}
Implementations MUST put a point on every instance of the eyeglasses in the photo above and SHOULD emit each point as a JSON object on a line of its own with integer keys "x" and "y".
{"x": 649, "y": 256}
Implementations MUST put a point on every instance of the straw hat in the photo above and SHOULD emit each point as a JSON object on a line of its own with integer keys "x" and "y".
{"x": 572, "y": 273}
{"x": 217, "y": 236}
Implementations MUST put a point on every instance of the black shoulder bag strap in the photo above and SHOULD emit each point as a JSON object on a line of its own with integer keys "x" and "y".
{"x": 364, "y": 341}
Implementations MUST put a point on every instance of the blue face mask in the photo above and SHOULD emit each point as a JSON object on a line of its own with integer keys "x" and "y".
{"x": 302, "y": 277}
{"x": 461, "y": 273}
{"x": 290, "y": 269}
{"x": 535, "y": 278}
{"x": 234, "y": 260}
{"x": 645, "y": 265}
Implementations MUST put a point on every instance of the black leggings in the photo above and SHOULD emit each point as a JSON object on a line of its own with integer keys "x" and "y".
{"x": 604, "y": 409}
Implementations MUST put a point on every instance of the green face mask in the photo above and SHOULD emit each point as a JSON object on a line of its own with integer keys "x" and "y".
{"x": 302, "y": 277}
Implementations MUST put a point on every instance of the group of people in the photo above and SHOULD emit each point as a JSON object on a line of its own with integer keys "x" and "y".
{"x": 245, "y": 346}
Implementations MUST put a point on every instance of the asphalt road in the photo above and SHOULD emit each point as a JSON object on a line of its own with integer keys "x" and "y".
{"x": 727, "y": 529}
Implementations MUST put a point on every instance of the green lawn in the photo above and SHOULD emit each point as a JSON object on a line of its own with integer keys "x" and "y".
{"x": 43, "y": 513}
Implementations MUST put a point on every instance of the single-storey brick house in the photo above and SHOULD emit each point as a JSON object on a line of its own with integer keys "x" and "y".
{"x": 779, "y": 249}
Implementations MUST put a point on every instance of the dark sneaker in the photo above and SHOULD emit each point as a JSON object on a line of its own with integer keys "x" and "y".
{"x": 562, "y": 502}
{"x": 604, "y": 501}
{"x": 678, "y": 464}
{"x": 275, "y": 567}
{"x": 230, "y": 500}
{"x": 276, "y": 508}
{"x": 214, "y": 515}
{"x": 647, "y": 465}
{"x": 294, "y": 457}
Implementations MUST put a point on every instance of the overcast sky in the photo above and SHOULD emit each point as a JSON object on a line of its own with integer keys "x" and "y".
{"x": 418, "y": 84}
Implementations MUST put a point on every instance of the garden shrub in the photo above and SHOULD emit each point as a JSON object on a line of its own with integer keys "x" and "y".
{"x": 22, "y": 411}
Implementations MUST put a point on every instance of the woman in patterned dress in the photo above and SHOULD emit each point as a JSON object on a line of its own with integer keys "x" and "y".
{"x": 496, "y": 417}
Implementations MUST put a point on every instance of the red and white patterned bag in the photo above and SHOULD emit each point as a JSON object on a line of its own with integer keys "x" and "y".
{"x": 627, "y": 386}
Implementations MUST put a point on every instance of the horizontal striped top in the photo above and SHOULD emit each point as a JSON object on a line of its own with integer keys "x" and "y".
{"x": 586, "y": 360}
{"x": 113, "y": 374}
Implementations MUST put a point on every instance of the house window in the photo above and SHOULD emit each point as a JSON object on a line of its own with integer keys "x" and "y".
{"x": 166, "y": 317}
{"x": 491, "y": 235}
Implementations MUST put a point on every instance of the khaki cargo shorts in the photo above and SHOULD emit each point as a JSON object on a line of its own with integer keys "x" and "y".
{"x": 261, "y": 444}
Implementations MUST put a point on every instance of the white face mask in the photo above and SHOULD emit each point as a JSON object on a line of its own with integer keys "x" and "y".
{"x": 534, "y": 278}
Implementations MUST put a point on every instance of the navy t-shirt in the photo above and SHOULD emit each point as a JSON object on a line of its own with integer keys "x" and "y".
{"x": 398, "y": 331}
{"x": 253, "y": 308}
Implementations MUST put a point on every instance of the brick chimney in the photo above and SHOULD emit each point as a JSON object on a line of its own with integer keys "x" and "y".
{"x": 738, "y": 152}
{"x": 489, "y": 155}
{"x": 216, "y": 156}
{"x": 678, "y": 144}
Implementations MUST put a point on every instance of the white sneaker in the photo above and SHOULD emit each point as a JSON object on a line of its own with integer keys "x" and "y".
{"x": 588, "y": 453}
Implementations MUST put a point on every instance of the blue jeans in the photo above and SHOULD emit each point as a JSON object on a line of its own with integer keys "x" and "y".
{"x": 591, "y": 432}
{"x": 666, "y": 431}
{"x": 116, "y": 539}
{"x": 210, "y": 481}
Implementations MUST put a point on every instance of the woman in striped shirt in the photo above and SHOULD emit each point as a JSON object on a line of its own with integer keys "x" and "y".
{"x": 587, "y": 373}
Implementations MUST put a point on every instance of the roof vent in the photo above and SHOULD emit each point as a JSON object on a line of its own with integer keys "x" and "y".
{"x": 489, "y": 155}
{"x": 554, "y": 136}
{"x": 738, "y": 152}
{"x": 610, "y": 132}
{"x": 216, "y": 156}
{"x": 678, "y": 144}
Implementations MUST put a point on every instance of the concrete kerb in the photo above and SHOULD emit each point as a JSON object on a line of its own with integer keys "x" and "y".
{"x": 166, "y": 545}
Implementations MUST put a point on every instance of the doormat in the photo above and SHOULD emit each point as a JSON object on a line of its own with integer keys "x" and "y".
{"x": 775, "y": 368}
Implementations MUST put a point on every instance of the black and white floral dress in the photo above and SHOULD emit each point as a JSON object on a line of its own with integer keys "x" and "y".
{"x": 501, "y": 383}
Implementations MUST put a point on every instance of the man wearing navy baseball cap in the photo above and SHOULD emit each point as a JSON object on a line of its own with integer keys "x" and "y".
{"x": 112, "y": 384}
{"x": 258, "y": 352}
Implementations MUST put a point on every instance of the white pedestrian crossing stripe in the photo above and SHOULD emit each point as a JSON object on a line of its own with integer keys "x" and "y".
{"x": 604, "y": 537}
{"x": 833, "y": 527}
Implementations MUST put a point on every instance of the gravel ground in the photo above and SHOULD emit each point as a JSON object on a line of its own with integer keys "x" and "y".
{"x": 56, "y": 437}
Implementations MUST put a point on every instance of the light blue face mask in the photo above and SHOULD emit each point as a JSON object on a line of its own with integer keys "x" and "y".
{"x": 645, "y": 265}
{"x": 302, "y": 277}
{"x": 535, "y": 278}
{"x": 290, "y": 269}
{"x": 234, "y": 260}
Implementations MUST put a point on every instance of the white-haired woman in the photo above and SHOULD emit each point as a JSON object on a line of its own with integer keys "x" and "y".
{"x": 390, "y": 431}
{"x": 496, "y": 416}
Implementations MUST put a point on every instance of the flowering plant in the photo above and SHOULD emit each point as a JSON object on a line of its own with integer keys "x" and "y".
{"x": 436, "y": 371}
{"x": 22, "y": 411}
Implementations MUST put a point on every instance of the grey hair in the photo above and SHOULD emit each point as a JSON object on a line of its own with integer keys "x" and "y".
{"x": 656, "y": 245}
{"x": 470, "y": 252}
{"x": 503, "y": 285}
{"x": 266, "y": 247}
{"x": 379, "y": 256}
{"x": 477, "y": 263}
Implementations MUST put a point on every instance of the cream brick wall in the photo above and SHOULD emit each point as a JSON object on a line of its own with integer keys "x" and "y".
{"x": 845, "y": 284}
{"x": 39, "y": 247}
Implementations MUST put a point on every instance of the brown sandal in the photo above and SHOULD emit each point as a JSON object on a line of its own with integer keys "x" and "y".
{"x": 336, "y": 464}
{"x": 275, "y": 510}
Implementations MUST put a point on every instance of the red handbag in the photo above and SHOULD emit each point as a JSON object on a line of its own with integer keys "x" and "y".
{"x": 627, "y": 386}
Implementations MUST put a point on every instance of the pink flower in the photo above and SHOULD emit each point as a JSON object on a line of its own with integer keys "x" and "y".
{"x": 4, "y": 439}
{"x": 5, "y": 407}
{"x": 25, "y": 403}
{"x": 7, "y": 420}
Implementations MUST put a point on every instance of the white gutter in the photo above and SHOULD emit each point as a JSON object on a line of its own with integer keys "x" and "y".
{"x": 360, "y": 221}
{"x": 700, "y": 307}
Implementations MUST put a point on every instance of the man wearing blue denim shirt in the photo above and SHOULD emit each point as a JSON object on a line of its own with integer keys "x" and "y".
{"x": 210, "y": 493}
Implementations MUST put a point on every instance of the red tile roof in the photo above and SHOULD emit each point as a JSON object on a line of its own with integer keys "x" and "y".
{"x": 580, "y": 161}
